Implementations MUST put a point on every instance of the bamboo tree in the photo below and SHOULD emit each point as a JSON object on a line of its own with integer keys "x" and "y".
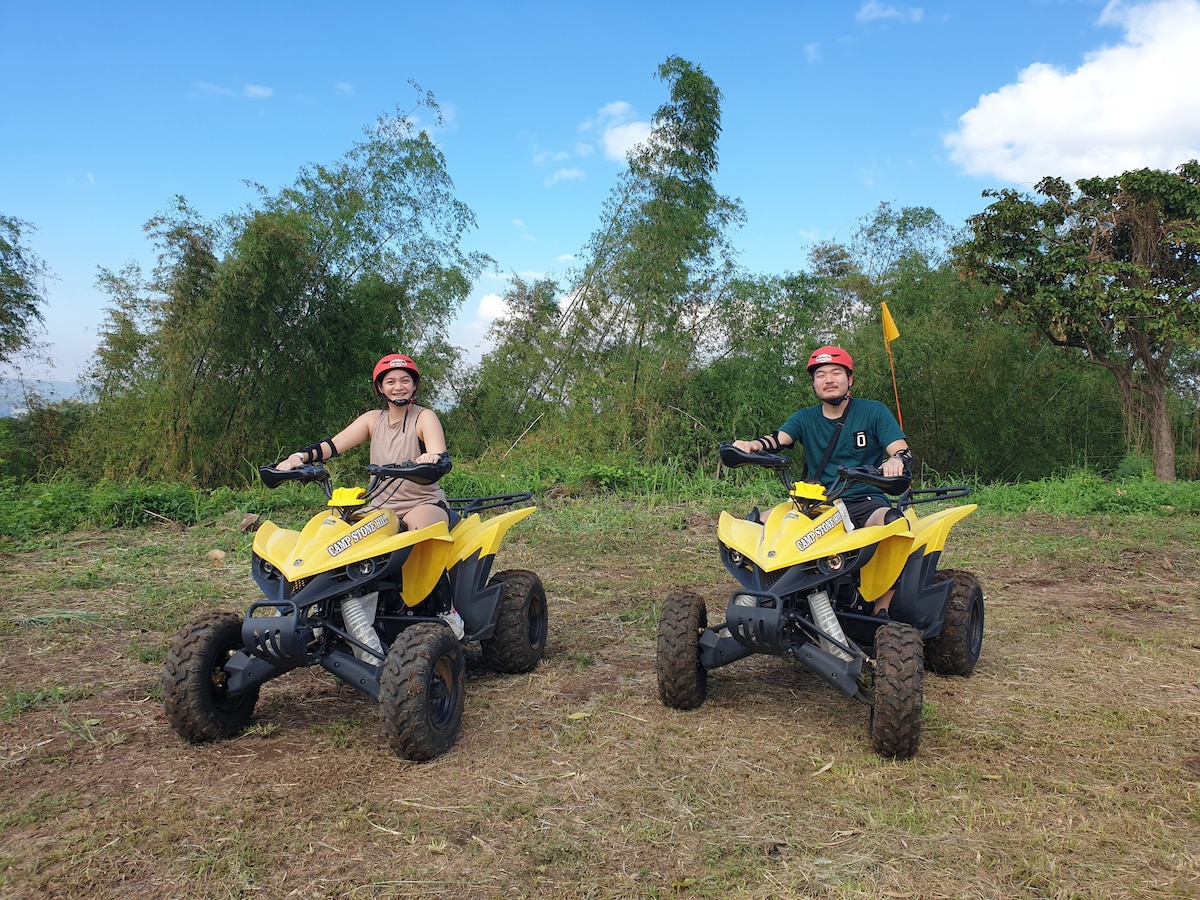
{"x": 639, "y": 313}
{"x": 259, "y": 330}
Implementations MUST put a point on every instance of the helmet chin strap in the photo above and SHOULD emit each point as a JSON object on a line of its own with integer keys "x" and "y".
{"x": 403, "y": 401}
{"x": 837, "y": 402}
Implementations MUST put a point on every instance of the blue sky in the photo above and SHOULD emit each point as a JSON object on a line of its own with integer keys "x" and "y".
{"x": 830, "y": 108}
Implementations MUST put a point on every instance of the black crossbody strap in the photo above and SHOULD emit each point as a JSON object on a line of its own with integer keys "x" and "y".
{"x": 837, "y": 433}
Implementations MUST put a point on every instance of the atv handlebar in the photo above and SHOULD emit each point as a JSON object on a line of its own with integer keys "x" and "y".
{"x": 734, "y": 458}
{"x": 874, "y": 476}
{"x": 418, "y": 473}
{"x": 273, "y": 477}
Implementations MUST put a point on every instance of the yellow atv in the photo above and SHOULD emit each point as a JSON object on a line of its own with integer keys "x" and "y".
{"x": 383, "y": 609}
{"x": 807, "y": 578}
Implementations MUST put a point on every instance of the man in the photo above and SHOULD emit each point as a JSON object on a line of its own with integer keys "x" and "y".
{"x": 844, "y": 432}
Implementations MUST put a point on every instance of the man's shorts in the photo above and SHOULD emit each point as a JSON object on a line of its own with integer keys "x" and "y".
{"x": 860, "y": 509}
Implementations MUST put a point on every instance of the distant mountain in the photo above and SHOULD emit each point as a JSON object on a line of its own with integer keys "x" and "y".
{"x": 12, "y": 395}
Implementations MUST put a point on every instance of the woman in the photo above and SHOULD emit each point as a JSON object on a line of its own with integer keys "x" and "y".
{"x": 400, "y": 432}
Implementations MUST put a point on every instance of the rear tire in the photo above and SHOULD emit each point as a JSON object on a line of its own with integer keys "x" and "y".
{"x": 195, "y": 698}
{"x": 899, "y": 691}
{"x": 956, "y": 650}
{"x": 519, "y": 641}
{"x": 422, "y": 691}
{"x": 682, "y": 680}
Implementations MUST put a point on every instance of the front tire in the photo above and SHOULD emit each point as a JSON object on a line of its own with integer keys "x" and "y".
{"x": 519, "y": 641}
{"x": 422, "y": 691}
{"x": 956, "y": 650}
{"x": 195, "y": 698}
{"x": 682, "y": 680}
{"x": 899, "y": 691}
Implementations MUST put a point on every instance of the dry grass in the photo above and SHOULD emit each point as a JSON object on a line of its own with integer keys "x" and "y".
{"x": 1067, "y": 767}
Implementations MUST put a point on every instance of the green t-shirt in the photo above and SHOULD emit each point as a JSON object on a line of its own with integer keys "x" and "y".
{"x": 869, "y": 428}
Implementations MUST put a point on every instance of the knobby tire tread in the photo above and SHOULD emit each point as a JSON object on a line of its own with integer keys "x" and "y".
{"x": 519, "y": 641}
{"x": 955, "y": 651}
{"x": 410, "y": 689}
{"x": 195, "y": 709}
{"x": 899, "y": 691}
{"x": 682, "y": 680}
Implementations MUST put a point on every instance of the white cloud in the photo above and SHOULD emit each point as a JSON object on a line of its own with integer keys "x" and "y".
{"x": 618, "y": 129}
{"x": 253, "y": 91}
{"x": 812, "y": 52}
{"x": 571, "y": 174}
{"x": 541, "y": 157}
{"x": 620, "y": 139}
{"x": 344, "y": 87}
{"x": 618, "y": 110}
{"x": 1128, "y": 106}
{"x": 491, "y": 307}
{"x": 205, "y": 87}
{"x": 874, "y": 11}
{"x": 614, "y": 127}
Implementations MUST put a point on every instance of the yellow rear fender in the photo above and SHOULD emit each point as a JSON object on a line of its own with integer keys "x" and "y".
{"x": 931, "y": 531}
{"x": 483, "y": 536}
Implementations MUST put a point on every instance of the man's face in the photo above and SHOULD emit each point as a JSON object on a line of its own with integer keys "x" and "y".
{"x": 831, "y": 382}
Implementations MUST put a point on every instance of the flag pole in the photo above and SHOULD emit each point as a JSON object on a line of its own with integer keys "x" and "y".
{"x": 890, "y": 333}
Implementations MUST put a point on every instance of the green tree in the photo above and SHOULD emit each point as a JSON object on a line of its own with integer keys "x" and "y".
{"x": 259, "y": 331}
{"x": 643, "y": 311}
{"x": 1111, "y": 269}
{"x": 758, "y": 378}
{"x": 500, "y": 399}
{"x": 974, "y": 390}
{"x": 22, "y": 287}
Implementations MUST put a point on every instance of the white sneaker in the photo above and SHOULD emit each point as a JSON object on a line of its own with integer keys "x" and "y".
{"x": 454, "y": 620}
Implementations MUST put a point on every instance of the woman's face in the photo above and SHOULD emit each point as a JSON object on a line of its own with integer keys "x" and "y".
{"x": 397, "y": 384}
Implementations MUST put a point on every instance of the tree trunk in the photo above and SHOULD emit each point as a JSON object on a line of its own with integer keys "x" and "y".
{"x": 1161, "y": 438}
{"x": 1134, "y": 409}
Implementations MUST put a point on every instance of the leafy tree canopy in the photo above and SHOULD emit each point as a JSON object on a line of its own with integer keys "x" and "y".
{"x": 22, "y": 290}
{"x": 1110, "y": 267}
{"x": 259, "y": 331}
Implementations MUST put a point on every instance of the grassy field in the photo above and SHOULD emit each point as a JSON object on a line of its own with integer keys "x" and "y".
{"x": 1068, "y": 766}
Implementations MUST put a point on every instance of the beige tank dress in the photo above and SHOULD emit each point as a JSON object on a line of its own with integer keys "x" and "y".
{"x": 398, "y": 443}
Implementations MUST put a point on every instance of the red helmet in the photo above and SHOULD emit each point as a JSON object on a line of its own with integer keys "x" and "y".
{"x": 824, "y": 356}
{"x": 395, "y": 361}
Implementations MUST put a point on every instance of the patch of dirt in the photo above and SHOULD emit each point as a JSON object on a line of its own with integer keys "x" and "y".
{"x": 574, "y": 781}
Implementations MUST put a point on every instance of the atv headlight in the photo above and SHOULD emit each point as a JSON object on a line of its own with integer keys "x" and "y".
{"x": 366, "y": 568}
{"x": 830, "y": 564}
{"x": 736, "y": 558}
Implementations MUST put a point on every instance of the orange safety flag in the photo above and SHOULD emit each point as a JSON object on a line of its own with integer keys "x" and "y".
{"x": 890, "y": 331}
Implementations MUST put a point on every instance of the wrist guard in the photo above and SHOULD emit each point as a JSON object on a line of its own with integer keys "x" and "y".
{"x": 316, "y": 452}
{"x": 770, "y": 443}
